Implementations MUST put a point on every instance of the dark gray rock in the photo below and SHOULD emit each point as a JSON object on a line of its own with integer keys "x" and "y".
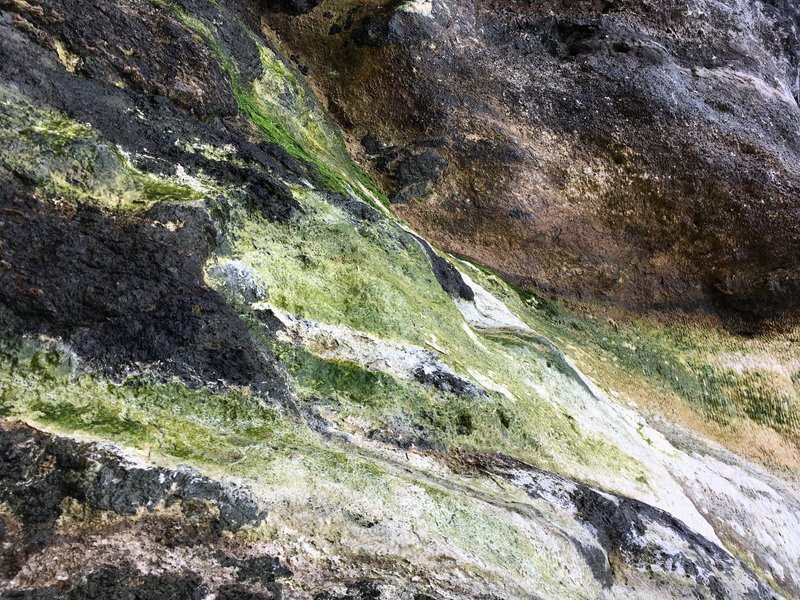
{"x": 446, "y": 274}
{"x": 620, "y": 526}
{"x": 39, "y": 471}
{"x": 654, "y": 145}
{"x": 417, "y": 174}
{"x": 120, "y": 583}
{"x": 126, "y": 292}
{"x": 292, "y": 7}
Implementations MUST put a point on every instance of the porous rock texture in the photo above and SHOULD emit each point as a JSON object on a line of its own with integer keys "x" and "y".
{"x": 642, "y": 154}
{"x": 229, "y": 370}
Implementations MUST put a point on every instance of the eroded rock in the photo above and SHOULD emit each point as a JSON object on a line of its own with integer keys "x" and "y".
{"x": 41, "y": 473}
{"x": 641, "y": 154}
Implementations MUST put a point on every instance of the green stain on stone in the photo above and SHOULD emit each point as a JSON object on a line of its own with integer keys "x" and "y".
{"x": 375, "y": 278}
{"x": 70, "y": 160}
{"x": 284, "y": 111}
{"x": 37, "y": 385}
{"x": 680, "y": 359}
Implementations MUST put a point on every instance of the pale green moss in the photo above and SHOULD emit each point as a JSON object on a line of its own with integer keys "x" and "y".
{"x": 377, "y": 279}
{"x": 231, "y": 432}
{"x": 226, "y": 154}
{"x": 723, "y": 377}
{"x": 70, "y": 160}
{"x": 283, "y": 111}
{"x": 228, "y": 429}
{"x": 372, "y": 278}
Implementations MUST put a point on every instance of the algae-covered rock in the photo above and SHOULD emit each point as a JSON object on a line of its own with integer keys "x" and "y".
{"x": 641, "y": 154}
{"x": 228, "y": 369}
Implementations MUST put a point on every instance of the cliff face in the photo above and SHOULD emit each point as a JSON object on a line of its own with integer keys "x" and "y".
{"x": 228, "y": 368}
{"x": 641, "y": 154}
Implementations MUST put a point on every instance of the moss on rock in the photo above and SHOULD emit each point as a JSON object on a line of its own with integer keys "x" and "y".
{"x": 69, "y": 160}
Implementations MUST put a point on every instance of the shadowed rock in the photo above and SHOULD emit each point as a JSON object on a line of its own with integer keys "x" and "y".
{"x": 636, "y": 153}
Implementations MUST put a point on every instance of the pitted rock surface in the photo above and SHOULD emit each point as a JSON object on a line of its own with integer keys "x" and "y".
{"x": 642, "y": 154}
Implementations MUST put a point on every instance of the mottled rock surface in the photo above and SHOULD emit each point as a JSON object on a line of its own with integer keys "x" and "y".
{"x": 640, "y": 154}
{"x": 229, "y": 370}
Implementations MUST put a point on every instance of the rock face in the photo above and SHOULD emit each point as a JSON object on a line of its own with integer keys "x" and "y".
{"x": 229, "y": 370}
{"x": 45, "y": 477}
{"x": 637, "y": 153}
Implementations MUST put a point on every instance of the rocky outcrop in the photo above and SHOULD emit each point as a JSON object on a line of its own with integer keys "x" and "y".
{"x": 60, "y": 493}
{"x": 637, "y": 153}
{"x": 227, "y": 369}
{"x": 57, "y": 493}
{"x": 113, "y": 286}
{"x": 119, "y": 294}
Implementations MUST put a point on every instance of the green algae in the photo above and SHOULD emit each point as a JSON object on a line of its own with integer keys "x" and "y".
{"x": 681, "y": 359}
{"x": 498, "y": 540}
{"x": 53, "y": 130}
{"x": 67, "y": 159}
{"x": 228, "y": 430}
{"x": 224, "y": 154}
{"x": 411, "y": 410}
{"x": 234, "y": 433}
{"x": 283, "y": 111}
{"x": 373, "y": 278}
{"x": 377, "y": 279}
{"x": 341, "y": 381}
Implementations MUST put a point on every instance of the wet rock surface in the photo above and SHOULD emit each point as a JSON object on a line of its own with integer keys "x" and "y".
{"x": 142, "y": 212}
{"x": 45, "y": 477}
{"x": 41, "y": 472}
{"x": 446, "y": 274}
{"x": 148, "y": 121}
{"x": 362, "y": 590}
{"x": 628, "y": 534}
{"x": 127, "y": 583}
{"x": 121, "y": 583}
{"x": 123, "y": 293}
{"x": 129, "y": 290}
{"x": 292, "y": 7}
{"x": 642, "y": 154}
